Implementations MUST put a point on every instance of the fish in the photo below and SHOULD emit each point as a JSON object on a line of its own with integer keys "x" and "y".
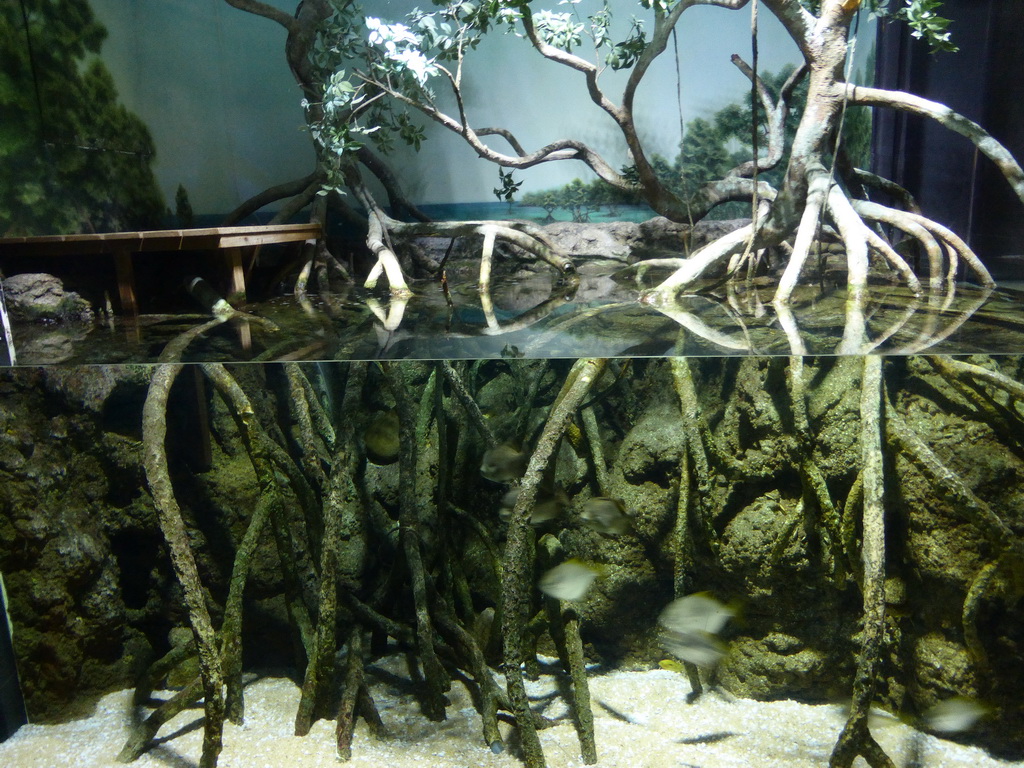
{"x": 954, "y": 715}
{"x": 605, "y": 515}
{"x": 504, "y": 463}
{"x": 671, "y": 665}
{"x": 699, "y": 648}
{"x": 569, "y": 581}
{"x": 381, "y": 438}
{"x": 692, "y": 624}
{"x": 698, "y": 612}
{"x": 549, "y": 506}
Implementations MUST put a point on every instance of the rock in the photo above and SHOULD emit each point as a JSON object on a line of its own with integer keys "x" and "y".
{"x": 38, "y": 297}
{"x": 774, "y": 666}
{"x": 664, "y": 234}
{"x": 616, "y": 240}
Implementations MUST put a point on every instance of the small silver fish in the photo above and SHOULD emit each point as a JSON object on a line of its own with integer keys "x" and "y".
{"x": 692, "y": 623}
{"x": 503, "y": 463}
{"x": 605, "y": 515}
{"x": 698, "y": 612}
{"x": 549, "y": 506}
{"x": 569, "y": 581}
{"x": 954, "y": 715}
{"x": 700, "y": 648}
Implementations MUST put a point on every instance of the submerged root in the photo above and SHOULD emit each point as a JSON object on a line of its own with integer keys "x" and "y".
{"x": 414, "y": 593}
{"x": 855, "y": 738}
{"x": 517, "y": 590}
{"x": 154, "y": 431}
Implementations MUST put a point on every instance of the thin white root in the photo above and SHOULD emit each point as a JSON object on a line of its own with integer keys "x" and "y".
{"x": 938, "y": 231}
{"x": 898, "y": 262}
{"x": 895, "y": 218}
{"x": 853, "y": 232}
{"x": 693, "y": 267}
{"x": 387, "y": 262}
{"x": 805, "y": 233}
{"x": 486, "y": 254}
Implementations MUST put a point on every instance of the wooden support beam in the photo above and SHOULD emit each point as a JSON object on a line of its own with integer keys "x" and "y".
{"x": 236, "y": 282}
{"x": 126, "y": 281}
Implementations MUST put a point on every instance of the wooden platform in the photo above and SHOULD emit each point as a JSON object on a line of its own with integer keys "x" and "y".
{"x": 123, "y": 245}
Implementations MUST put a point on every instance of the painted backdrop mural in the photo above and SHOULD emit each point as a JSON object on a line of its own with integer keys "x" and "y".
{"x": 129, "y": 113}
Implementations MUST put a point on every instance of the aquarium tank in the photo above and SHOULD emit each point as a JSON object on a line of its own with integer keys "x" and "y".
{"x": 511, "y": 384}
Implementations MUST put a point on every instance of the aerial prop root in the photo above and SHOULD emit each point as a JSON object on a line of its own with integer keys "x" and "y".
{"x": 827, "y": 202}
{"x": 913, "y": 224}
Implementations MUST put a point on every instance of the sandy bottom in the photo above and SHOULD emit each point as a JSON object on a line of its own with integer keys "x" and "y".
{"x": 736, "y": 733}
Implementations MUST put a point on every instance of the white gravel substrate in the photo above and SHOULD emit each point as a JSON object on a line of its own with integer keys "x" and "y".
{"x": 782, "y": 734}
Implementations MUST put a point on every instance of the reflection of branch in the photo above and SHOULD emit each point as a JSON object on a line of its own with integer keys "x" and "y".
{"x": 391, "y": 318}
{"x": 527, "y": 318}
{"x": 698, "y": 327}
{"x": 926, "y": 340}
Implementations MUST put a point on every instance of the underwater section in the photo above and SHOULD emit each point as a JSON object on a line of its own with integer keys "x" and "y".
{"x": 514, "y": 560}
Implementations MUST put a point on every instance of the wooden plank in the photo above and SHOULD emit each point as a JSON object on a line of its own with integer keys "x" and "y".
{"x": 242, "y": 241}
{"x": 208, "y": 238}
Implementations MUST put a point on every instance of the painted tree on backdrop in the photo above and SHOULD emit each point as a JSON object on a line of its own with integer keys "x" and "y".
{"x": 380, "y": 78}
{"x": 711, "y": 148}
{"x": 72, "y": 159}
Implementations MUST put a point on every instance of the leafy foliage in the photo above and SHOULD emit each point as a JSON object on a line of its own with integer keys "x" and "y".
{"x": 72, "y": 159}
{"x": 926, "y": 24}
{"x": 353, "y": 50}
{"x": 509, "y": 187}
